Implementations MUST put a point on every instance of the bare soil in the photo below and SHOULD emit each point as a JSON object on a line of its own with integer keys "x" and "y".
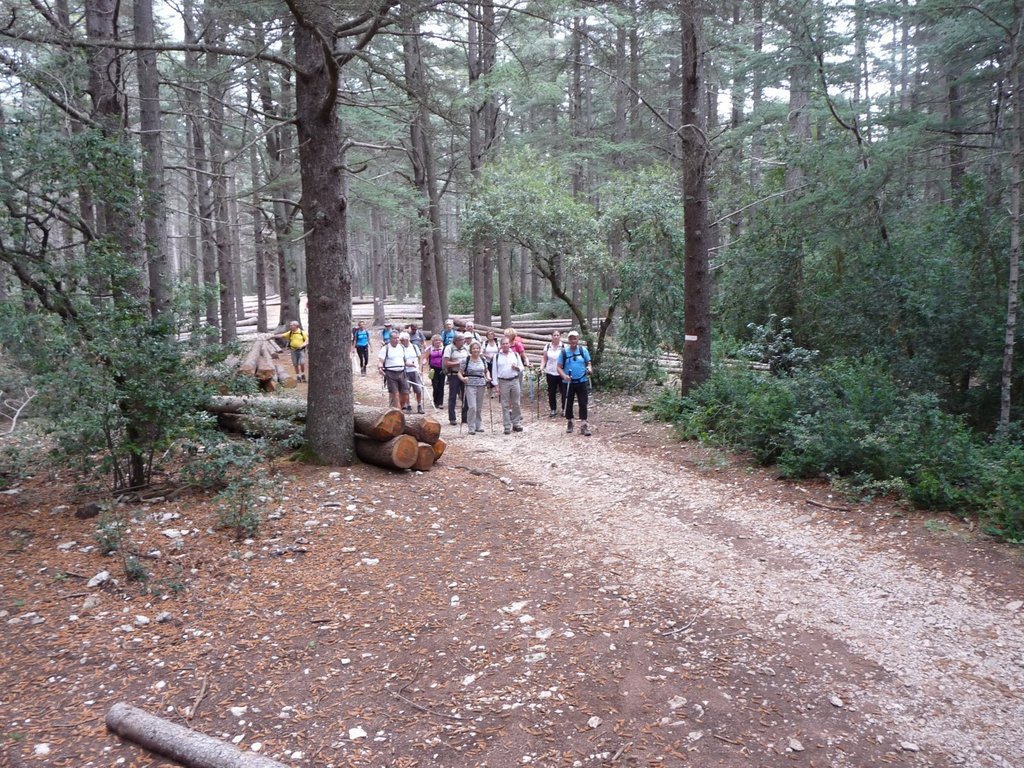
{"x": 540, "y": 598}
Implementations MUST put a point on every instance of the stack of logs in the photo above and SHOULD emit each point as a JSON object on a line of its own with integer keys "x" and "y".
{"x": 386, "y": 437}
{"x": 261, "y": 361}
{"x": 396, "y": 440}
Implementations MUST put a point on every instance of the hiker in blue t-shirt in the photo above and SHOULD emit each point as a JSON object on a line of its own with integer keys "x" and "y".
{"x": 449, "y": 333}
{"x": 361, "y": 345}
{"x": 385, "y": 335}
{"x": 574, "y": 368}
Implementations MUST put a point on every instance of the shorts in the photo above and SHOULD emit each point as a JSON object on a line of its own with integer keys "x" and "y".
{"x": 397, "y": 382}
{"x": 298, "y": 357}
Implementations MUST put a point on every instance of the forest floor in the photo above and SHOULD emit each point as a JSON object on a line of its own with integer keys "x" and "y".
{"x": 540, "y": 599}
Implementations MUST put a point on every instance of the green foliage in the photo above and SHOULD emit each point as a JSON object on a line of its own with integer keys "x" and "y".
{"x": 630, "y": 372}
{"x": 109, "y": 533}
{"x": 460, "y": 300}
{"x": 239, "y": 505}
{"x": 213, "y": 460}
{"x": 852, "y": 421}
{"x": 773, "y": 344}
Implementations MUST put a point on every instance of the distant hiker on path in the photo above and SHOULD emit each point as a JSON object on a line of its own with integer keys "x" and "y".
{"x": 574, "y": 368}
{"x": 297, "y": 340}
{"x": 449, "y": 333}
{"x": 361, "y": 345}
{"x": 434, "y": 358}
{"x": 385, "y": 335}
{"x": 392, "y": 366}
{"x": 454, "y": 354}
{"x": 475, "y": 376}
{"x": 508, "y": 367}
{"x": 556, "y": 391}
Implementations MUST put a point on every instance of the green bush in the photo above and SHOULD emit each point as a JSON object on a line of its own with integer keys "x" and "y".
{"x": 741, "y": 409}
{"x": 852, "y": 422}
{"x": 460, "y": 300}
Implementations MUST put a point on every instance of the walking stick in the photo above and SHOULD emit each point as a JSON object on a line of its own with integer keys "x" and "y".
{"x": 490, "y": 409}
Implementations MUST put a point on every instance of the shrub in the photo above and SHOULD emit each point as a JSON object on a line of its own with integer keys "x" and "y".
{"x": 460, "y": 300}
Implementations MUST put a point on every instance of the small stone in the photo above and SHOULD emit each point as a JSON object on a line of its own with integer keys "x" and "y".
{"x": 297, "y": 754}
{"x": 795, "y": 746}
{"x": 909, "y": 746}
{"x": 782, "y": 618}
{"x": 1015, "y": 606}
{"x": 163, "y": 617}
{"x": 65, "y": 546}
{"x": 237, "y": 711}
{"x": 92, "y": 601}
{"x": 356, "y": 733}
{"x": 41, "y": 749}
{"x": 594, "y": 722}
{"x": 695, "y": 735}
{"x": 835, "y": 701}
{"x": 256, "y": 746}
{"x": 370, "y": 560}
{"x": 99, "y": 578}
{"x": 141, "y": 621}
{"x": 676, "y": 702}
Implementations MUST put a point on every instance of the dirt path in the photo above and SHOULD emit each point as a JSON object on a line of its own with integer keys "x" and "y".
{"x": 536, "y": 599}
{"x": 917, "y": 634}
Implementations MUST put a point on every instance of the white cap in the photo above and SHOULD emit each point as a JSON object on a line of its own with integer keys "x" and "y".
{"x": 403, "y": 336}
{"x": 573, "y": 333}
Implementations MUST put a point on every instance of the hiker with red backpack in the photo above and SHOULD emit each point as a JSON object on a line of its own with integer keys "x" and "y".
{"x": 575, "y": 369}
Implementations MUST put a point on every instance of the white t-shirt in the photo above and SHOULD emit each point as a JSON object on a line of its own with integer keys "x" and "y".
{"x": 551, "y": 354}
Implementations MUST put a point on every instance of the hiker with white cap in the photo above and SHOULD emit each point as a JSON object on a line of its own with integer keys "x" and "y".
{"x": 508, "y": 367}
{"x": 454, "y": 355}
{"x": 392, "y": 364}
{"x": 412, "y": 370}
{"x": 574, "y": 367}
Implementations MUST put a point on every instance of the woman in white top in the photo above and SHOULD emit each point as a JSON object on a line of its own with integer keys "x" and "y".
{"x": 551, "y": 352}
{"x": 488, "y": 351}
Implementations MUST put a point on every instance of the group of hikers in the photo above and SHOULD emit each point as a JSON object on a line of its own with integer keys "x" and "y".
{"x": 474, "y": 367}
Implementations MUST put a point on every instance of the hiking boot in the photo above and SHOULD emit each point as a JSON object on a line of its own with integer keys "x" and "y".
{"x": 585, "y": 429}
{"x": 508, "y": 431}
{"x": 517, "y": 428}
{"x": 453, "y": 422}
{"x": 552, "y": 414}
{"x": 568, "y": 427}
{"x": 419, "y": 409}
{"x": 408, "y": 409}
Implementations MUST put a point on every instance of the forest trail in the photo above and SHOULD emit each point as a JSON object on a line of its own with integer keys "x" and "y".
{"x": 915, "y": 634}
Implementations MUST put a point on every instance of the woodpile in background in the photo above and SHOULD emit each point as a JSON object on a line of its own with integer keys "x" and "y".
{"x": 386, "y": 437}
{"x": 261, "y": 361}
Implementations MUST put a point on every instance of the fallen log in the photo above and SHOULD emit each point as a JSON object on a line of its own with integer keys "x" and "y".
{"x": 190, "y": 748}
{"x": 378, "y": 424}
{"x": 439, "y": 447}
{"x": 424, "y": 457}
{"x": 281, "y": 407}
{"x": 426, "y": 429}
{"x": 248, "y": 366}
{"x": 397, "y": 453}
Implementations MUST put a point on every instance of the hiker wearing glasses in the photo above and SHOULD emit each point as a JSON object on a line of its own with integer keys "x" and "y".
{"x": 575, "y": 369}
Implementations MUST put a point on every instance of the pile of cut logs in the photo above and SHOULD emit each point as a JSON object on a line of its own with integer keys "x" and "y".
{"x": 386, "y": 437}
{"x": 261, "y": 361}
{"x": 396, "y": 440}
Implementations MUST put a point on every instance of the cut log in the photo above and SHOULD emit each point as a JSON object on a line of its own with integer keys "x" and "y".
{"x": 397, "y": 453}
{"x": 190, "y": 748}
{"x": 281, "y": 407}
{"x": 378, "y": 423}
{"x": 248, "y": 366}
{"x": 288, "y": 380}
{"x": 426, "y": 429}
{"x": 424, "y": 457}
{"x": 439, "y": 447}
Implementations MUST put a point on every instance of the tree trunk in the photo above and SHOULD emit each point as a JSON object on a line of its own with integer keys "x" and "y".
{"x": 421, "y": 154}
{"x": 695, "y": 159}
{"x": 325, "y": 220}
{"x": 154, "y": 211}
{"x": 1016, "y": 173}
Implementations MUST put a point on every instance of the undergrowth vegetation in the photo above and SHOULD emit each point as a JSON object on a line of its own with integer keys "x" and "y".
{"x": 855, "y": 423}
